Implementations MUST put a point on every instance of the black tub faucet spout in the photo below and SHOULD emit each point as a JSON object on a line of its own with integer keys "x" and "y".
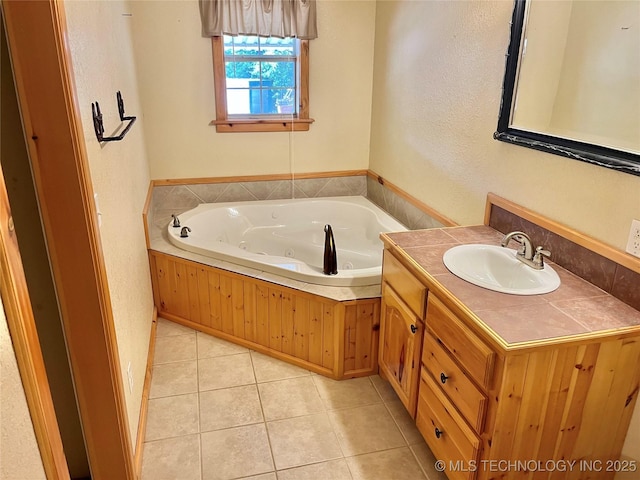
{"x": 330, "y": 257}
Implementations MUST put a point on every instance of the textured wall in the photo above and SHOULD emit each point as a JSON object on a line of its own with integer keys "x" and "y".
{"x": 100, "y": 43}
{"x": 19, "y": 453}
{"x": 437, "y": 84}
{"x": 175, "y": 67}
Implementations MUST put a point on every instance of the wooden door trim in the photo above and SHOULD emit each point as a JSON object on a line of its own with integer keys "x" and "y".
{"x": 22, "y": 328}
{"x": 46, "y": 93}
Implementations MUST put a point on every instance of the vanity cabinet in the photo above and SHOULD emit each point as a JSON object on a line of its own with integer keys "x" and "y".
{"x": 457, "y": 368}
{"x": 401, "y": 330}
{"x": 549, "y": 408}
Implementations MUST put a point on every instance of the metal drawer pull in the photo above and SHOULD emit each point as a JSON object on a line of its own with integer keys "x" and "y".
{"x": 443, "y": 378}
{"x": 414, "y": 329}
{"x": 438, "y": 432}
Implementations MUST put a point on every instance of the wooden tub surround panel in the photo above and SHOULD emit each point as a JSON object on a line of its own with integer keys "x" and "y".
{"x": 336, "y": 339}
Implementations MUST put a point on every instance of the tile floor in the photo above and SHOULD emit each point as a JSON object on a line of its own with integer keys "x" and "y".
{"x": 221, "y": 411}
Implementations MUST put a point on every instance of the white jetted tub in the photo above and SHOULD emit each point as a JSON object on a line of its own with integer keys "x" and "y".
{"x": 286, "y": 237}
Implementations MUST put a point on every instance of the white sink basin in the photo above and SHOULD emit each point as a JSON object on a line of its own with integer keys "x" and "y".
{"x": 498, "y": 269}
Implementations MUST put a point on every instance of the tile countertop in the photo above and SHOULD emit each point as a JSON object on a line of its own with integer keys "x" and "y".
{"x": 576, "y": 309}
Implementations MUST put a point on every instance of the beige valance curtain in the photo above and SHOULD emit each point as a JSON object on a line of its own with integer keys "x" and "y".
{"x": 267, "y": 18}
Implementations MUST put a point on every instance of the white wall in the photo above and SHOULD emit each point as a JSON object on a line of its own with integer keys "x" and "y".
{"x": 19, "y": 453}
{"x": 175, "y": 68}
{"x": 100, "y": 43}
{"x": 438, "y": 75}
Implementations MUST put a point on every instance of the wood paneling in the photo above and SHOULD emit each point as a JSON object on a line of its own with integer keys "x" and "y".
{"x": 315, "y": 332}
{"x": 571, "y": 403}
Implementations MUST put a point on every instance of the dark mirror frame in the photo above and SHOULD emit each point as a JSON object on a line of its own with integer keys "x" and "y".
{"x": 586, "y": 152}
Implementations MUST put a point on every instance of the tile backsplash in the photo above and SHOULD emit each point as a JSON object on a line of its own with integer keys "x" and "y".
{"x": 602, "y": 272}
{"x": 406, "y": 213}
{"x": 176, "y": 199}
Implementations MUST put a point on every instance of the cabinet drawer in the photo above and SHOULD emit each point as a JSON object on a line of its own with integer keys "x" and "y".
{"x": 406, "y": 285}
{"x": 448, "y": 436}
{"x": 446, "y": 373}
{"x": 471, "y": 352}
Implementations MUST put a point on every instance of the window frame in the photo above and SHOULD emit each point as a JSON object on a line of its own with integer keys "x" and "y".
{"x": 286, "y": 123}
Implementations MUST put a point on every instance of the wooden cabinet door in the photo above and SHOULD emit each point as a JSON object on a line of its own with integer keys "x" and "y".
{"x": 400, "y": 347}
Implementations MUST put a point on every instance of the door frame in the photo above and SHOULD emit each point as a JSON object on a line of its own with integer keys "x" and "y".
{"x": 36, "y": 32}
{"x": 24, "y": 337}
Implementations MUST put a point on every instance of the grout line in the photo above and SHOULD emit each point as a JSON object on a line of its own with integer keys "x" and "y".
{"x": 415, "y": 457}
{"x": 199, "y": 416}
{"x": 173, "y": 395}
{"x": 171, "y": 438}
{"x": 264, "y": 418}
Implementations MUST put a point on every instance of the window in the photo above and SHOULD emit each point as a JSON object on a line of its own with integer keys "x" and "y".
{"x": 261, "y": 84}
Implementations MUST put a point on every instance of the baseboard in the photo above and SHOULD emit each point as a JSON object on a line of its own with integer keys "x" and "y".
{"x": 142, "y": 422}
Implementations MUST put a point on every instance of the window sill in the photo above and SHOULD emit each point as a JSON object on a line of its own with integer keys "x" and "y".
{"x": 270, "y": 125}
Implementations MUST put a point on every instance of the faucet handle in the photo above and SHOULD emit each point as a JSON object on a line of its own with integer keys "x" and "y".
{"x": 538, "y": 259}
{"x": 176, "y": 221}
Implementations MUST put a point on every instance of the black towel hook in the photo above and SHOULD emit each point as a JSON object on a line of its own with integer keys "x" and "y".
{"x": 98, "y": 126}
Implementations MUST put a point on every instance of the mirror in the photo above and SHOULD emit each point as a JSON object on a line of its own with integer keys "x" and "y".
{"x": 572, "y": 81}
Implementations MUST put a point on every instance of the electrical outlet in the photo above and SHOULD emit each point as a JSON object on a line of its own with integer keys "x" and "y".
{"x": 633, "y": 244}
{"x": 130, "y": 377}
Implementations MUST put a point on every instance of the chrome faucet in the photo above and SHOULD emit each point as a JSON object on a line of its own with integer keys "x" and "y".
{"x": 526, "y": 253}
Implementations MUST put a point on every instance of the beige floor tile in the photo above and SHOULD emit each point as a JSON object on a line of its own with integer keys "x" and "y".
{"x": 229, "y": 407}
{"x": 346, "y": 393}
{"x": 406, "y": 424}
{"x": 172, "y": 416}
{"x": 268, "y": 369}
{"x": 172, "y": 459}
{"x": 396, "y": 464}
{"x": 365, "y": 429}
{"x": 427, "y": 461}
{"x": 236, "y": 452}
{"x": 174, "y": 379}
{"x": 168, "y": 328}
{"x": 175, "y": 348}
{"x": 384, "y": 388}
{"x": 289, "y": 398}
{"x": 332, "y": 470}
{"x": 303, "y": 440}
{"x": 225, "y": 372}
{"x": 209, "y": 346}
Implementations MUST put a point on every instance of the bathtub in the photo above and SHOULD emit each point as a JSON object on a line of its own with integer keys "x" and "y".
{"x": 286, "y": 237}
